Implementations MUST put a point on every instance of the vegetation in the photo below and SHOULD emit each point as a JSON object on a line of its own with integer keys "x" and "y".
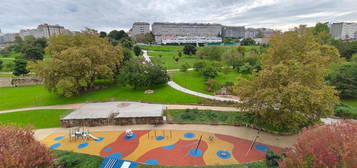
{"x": 147, "y": 38}
{"x": 210, "y": 53}
{"x": 289, "y": 92}
{"x": 247, "y": 42}
{"x": 344, "y": 78}
{"x": 221, "y": 117}
{"x": 330, "y": 145}
{"x": 193, "y": 80}
{"x": 76, "y": 62}
{"x": 20, "y": 67}
{"x": 345, "y": 111}
{"x": 139, "y": 75}
{"x": 20, "y": 149}
{"x": 76, "y": 160}
{"x": 37, "y": 95}
{"x": 36, "y": 118}
{"x": 167, "y": 59}
{"x": 189, "y": 50}
{"x": 241, "y": 61}
{"x": 137, "y": 50}
{"x": 162, "y": 48}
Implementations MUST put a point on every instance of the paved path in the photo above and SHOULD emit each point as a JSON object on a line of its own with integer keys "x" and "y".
{"x": 206, "y": 96}
{"x": 182, "y": 89}
{"x": 167, "y": 106}
{"x": 240, "y": 132}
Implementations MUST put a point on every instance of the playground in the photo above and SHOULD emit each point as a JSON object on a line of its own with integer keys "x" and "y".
{"x": 161, "y": 147}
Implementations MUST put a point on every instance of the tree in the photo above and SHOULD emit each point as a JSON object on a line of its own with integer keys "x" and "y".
{"x": 137, "y": 50}
{"x": 147, "y": 38}
{"x": 332, "y": 145}
{"x": 139, "y": 75}
{"x": 127, "y": 43}
{"x": 247, "y": 42}
{"x": 127, "y": 54}
{"x": 102, "y": 34}
{"x": 290, "y": 92}
{"x": 210, "y": 53}
{"x": 20, "y": 67}
{"x": 189, "y": 50}
{"x": 344, "y": 78}
{"x": 117, "y": 35}
{"x": 322, "y": 32}
{"x": 33, "y": 53}
{"x": 20, "y": 149}
{"x": 1, "y": 64}
{"x": 76, "y": 62}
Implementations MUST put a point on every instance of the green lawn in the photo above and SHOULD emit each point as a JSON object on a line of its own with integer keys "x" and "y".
{"x": 195, "y": 81}
{"x": 27, "y": 96}
{"x": 37, "y": 118}
{"x": 167, "y": 59}
{"x": 350, "y": 102}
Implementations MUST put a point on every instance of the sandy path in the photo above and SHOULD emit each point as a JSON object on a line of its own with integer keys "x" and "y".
{"x": 65, "y": 106}
{"x": 240, "y": 132}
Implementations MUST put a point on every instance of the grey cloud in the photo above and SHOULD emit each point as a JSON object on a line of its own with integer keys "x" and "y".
{"x": 120, "y": 14}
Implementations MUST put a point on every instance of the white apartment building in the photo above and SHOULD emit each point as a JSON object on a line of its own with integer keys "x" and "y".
{"x": 139, "y": 28}
{"x": 343, "y": 31}
{"x": 191, "y": 40}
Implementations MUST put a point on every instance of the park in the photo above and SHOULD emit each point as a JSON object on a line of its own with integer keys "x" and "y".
{"x": 128, "y": 105}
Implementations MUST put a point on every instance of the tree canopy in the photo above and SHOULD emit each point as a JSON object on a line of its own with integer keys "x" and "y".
{"x": 247, "y": 42}
{"x": 76, "y": 61}
{"x": 290, "y": 92}
{"x": 189, "y": 50}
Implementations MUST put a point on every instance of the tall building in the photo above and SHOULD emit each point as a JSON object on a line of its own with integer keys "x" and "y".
{"x": 44, "y": 30}
{"x": 10, "y": 37}
{"x": 1, "y": 37}
{"x": 139, "y": 28}
{"x": 343, "y": 31}
{"x": 186, "y": 32}
{"x": 233, "y": 31}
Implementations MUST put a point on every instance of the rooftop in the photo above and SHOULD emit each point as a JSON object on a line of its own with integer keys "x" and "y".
{"x": 116, "y": 110}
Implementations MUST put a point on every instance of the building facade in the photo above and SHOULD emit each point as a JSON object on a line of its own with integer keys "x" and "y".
{"x": 44, "y": 31}
{"x": 233, "y": 31}
{"x": 139, "y": 28}
{"x": 186, "y": 32}
{"x": 343, "y": 31}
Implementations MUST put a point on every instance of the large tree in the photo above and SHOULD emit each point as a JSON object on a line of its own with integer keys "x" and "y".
{"x": 76, "y": 61}
{"x": 20, "y": 67}
{"x": 290, "y": 92}
{"x": 344, "y": 78}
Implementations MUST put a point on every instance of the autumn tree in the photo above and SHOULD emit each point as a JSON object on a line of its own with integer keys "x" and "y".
{"x": 330, "y": 146}
{"x": 76, "y": 61}
{"x": 18, "y": 148}
{"x": 290, "y": 91}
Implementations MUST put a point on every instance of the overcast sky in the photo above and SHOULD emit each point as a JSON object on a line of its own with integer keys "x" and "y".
{"x": 105, "y": 15}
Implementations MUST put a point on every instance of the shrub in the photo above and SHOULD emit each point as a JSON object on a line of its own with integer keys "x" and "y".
{"x": 137, "y": 50}
{"x": 18, "y": 148}
{"x": 210, "y": 53}
{"x": 189, "y": 50}
{"x": 345, "y": 111}
{"x": 272, "y": 159}
{"x": 197, "y": 66}
{"x": 212, "y": 85}
{"x": 331, "y": 145}
{"x": 71, "y": 159}
{"x": 189, "y": 115}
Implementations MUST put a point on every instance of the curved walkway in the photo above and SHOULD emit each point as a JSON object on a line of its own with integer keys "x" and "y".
{"x": 206, "y": 96}
{"x": 240, "y": 132}
{"x": 191, "y": 92}
{"x": 167, "y": 106}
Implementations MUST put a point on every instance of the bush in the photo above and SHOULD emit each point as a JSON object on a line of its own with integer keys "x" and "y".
{"x": 189, "y": 114}
{"x": 197, "y": 66}
{"x": 212, "y": 85}
{"x": 18, "y": 148}
{"x": 189, "y": 50}
{"x": 210, "y": 53}
{"x": 72, "y": 159}
{"x": 272, "y": 159}
{"x": 345, "y": 111}
{"x": 332, "y": 145}
{"x": 137, "y": 50}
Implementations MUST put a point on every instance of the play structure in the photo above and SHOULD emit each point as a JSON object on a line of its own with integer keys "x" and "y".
{"x": 161, "y": 147}
{"x": 78, "y": 132}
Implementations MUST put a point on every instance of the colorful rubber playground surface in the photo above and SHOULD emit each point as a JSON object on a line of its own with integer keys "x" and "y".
{"x": 165, "y": 147}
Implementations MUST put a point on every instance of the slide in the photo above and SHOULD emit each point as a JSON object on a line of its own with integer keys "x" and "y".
{"x": 90, "y": 135}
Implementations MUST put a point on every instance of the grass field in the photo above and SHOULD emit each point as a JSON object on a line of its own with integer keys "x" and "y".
{"x": 195, "y": 81}
{"x": 167, "y": 59}
{"x": 27, "y": 96}
{"x": 37, "y": 118}
{"x": 350, "y": 102}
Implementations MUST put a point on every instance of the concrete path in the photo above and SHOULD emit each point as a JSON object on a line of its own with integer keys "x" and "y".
{"x": 146, "y": 56}
{"x": 166, "y": 106}
{"x": 240, "y": 132}
{"x": 206, "y": 96}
